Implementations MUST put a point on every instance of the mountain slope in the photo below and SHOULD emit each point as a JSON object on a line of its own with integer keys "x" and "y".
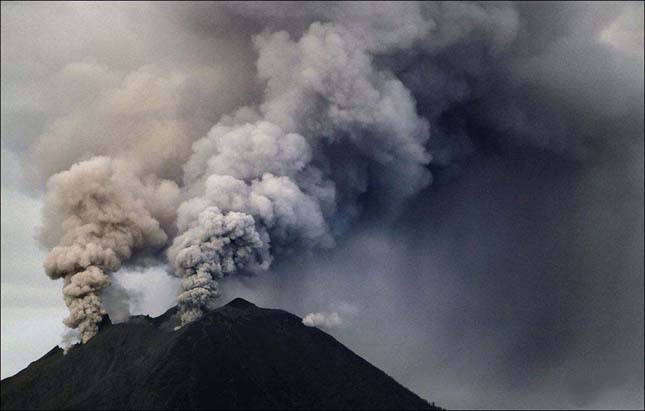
{"x": 239, "y": 356}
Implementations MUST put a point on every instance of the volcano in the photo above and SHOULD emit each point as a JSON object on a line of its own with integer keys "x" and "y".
{"x": 238, "y": 356}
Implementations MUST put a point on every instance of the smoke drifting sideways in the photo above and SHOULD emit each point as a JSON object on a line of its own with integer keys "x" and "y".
{"x": 285, "y": 127}
{"x": 264, "y": 180}
{"x": 267, "y": 190}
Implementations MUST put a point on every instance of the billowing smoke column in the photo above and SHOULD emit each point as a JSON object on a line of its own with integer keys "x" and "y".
{"x": 282, "y": 126}
{"x": 283, "y": 173}
{"x": 99, "y": 213}
{"x": 216, "y": 245}
{"x": 320, "y": 111}
{"x": 261, "y": 181}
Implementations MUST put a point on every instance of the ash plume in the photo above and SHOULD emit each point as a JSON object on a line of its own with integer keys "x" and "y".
{"x": 469, "y": 174}
{"x": 98, "y": 214}
{"x": 217, "y": 244}
{"x": 273, "y": 165}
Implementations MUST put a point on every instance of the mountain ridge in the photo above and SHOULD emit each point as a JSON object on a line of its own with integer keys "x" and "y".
{"x": 238, "y": 356}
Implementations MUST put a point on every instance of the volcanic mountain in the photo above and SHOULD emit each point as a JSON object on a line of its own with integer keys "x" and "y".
{"x": 239, "y": 356}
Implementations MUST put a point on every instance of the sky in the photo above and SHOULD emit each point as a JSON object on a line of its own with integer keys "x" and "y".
{"x": 460, "y": 199}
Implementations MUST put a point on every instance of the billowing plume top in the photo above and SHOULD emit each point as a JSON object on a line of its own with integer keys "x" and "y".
{"x": 311, "y": 113}
{"x": 274, "y": 165}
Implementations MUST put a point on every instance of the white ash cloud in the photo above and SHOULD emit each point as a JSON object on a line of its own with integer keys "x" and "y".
{"x": 339, "y": 313}
{"x": 325, "y": 320}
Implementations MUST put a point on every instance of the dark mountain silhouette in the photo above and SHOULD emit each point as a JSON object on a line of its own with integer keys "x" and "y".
{"x": 239, "y": 356}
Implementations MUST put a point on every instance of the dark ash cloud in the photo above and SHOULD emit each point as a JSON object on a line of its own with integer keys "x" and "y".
{"x": 461, "y": 183}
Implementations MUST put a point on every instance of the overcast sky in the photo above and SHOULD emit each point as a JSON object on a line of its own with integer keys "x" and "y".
{"x": 513, "y": 280}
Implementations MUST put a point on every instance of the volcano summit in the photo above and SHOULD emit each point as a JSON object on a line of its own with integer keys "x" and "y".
{"x": 238, "y": 356}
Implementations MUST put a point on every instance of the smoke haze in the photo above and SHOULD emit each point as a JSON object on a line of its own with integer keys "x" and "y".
{"x": 455, "y": 190}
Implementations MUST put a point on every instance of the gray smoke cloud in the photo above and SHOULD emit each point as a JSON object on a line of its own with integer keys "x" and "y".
{"x": 273, "y": 165}
{"x": 215, "y": 245}
{"x": 475, "y": 168}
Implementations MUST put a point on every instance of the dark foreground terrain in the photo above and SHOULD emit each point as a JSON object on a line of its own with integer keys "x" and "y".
{"x": 239, "y": 356}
